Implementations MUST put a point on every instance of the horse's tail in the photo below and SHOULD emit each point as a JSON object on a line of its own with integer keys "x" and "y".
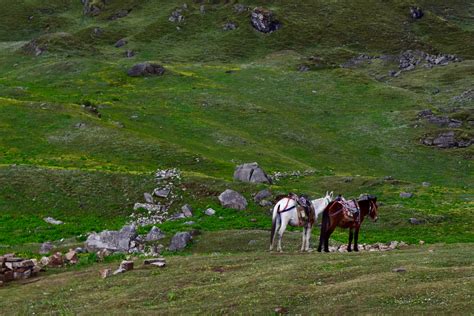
{"x": 275, "y": 218}
{"x": 325, "y": 220}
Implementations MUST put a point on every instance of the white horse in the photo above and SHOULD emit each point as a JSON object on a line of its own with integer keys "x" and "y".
{"x": 285, "y": 213}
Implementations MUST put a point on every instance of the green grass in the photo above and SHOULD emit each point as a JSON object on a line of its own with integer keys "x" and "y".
{"x": 222, "y": 274}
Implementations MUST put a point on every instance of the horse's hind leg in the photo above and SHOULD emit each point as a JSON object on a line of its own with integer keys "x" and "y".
{"x": 303, "y": 242}
{"x": 280, "y": 234}
{"x": 326, "y": 241}
{"x": 351, "y": 235}
{"x": 308, "y": 236}
{"x": 322, "y": 237}
{"x": 356, "y": 239}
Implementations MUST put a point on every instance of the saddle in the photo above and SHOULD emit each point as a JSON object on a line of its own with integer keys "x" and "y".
{"x": 350, "y": 208}
{"x": 304, "y": 209}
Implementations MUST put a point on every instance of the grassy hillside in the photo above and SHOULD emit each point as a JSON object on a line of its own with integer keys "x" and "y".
{"x": 224, "y": 275}
{"x": 228, "y": 97}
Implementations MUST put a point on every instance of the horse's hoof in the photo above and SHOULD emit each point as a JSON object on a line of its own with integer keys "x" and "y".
{"x": 349, "y": 250}
{"x": 356, "y": 249}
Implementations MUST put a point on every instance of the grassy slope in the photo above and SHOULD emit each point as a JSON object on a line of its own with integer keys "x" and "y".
{"x": 225, "y": 275}
{"x": 340, "y": 122}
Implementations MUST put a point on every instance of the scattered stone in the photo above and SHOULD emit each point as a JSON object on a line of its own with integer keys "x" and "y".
{"x": 252, "y": 243}
{"x": 71, "y": 257}
{"x": 176, "y": 16}
{"x": 415, "y": 221}
{"x": 251, "y": 172}
{"x": 80, "y": 250}
{"x": 202, "y": 9}
{"x": 265, "y": 203}
{"x": 263, "y": 194}
{"x": 129, "y": 53}
{"x": 120, "y": 43}
{"x": 159, "y": 262}
{"x": 120, "y": 14}
{"x": 422, "y": 242}
{"x": 105, "y": 273}
{"x": 180, "y": 241}
{"x": 146, "y": 69}
{"x": 240, "y": 8}
{"x": 232, "y": 199}
{"x": 154, "y": 234}
{"x": 176, "y": 216}
{"x": 189, "y": 223}
{"x": 187, "y": 210}
{"x": 52, "y": 221}
{"x": 91, "y": 108}
{"x": 210, "y": 212}
{"x": 115, "y": 241}
{"x": 148, "y": 198}
{"x": 398, "y": 270}
{"x": 93, "y": 7}
{"x": 281, "y": 310}
{"x": 406, "y": 195}
{"x": 56, "y": 260}
{"x": 229, "y": 26}
{"x": 126, "y": 265}
{"x": 426, "y": 184}
{"x": 148, "y": 207}
{"x": 416, "y": 13}
{"x": 80, "y": 125}
{"x": 263, "y": 20}
{"x": 46, "y": 248}
{"x": 303, "y": 68}
{"x": 410, "y": 59}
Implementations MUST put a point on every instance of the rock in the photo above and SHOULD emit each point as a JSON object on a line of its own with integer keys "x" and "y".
{"x": 148, "y": 207}
{"x": 202, "y": 9}
{"x": 415, "y": 221}
{"x": 176, "y": 16}
{"x": 56, "y": 260}
{"x": 180, "y": 241}
{"x": 189, "y": 223}
{"x": 393, "y": 244}
{"x": 120, "y": 14}
{"x": 426, "y": 184}
{"x": 46, "y": 248}
{"x": 52, "y": 221}
{"x": 157, "y": 262}
{"x": 146, "y": 69}
{"x": 232, "y": 199}
{"x": 187, "y": 210}
{"x": 154, "y": 234}
{"x": 120, "y": 43}
{"x": 80, "y": 125}
{"x": 115, "y": 241}
{"x": 105, "y": 273}
{"x": 240, "y": 8}
{"x": 71, "y": 257}
{"x": 80, "y": 250}
{"x": 398, "y": 270}
{"x": 162, "y": 193}
{"x": 416, "y": 13}
{"x": 263, "y": 194}
{"x": 93, "y": 7}
{"x": 229, "y": 26}
{"x": 148, "y": 198}
{"x": 210, "y": 212}
{"x": 264, "y": 21}
{"x": 281, "y": 310}
{"x": 252, "y": 243}
{"x": 251, "y": 172}
{"x": 44, "y": 261}
{"x": 445, "y": 140}
{"x": 421, "y": 242}
{"x": 126, "y": 265}
{"x": 176, "y": 216}
{"x": 129, "y": 53}
{"x": 406, "y": 195}
{"x": 265, "y": 203}
{"x": 303, "y": 68}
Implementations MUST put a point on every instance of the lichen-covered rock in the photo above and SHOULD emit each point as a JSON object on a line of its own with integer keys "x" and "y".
{"x": 180, "y": 241}
{"x": 154, "y": 234}
{"x": 115, "y": 241}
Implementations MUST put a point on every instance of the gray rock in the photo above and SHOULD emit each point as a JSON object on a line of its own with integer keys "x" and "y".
{"x": 252, "y": 243}
{"x": 264, "y": 21}
{"x": 176, "y": 216}
{"x": 187, "y": 210}
{"x": 426, "y": 184}
{"x": 176, "y": 16}
{"x": 445, "y": 140}
{"x": 120, "y": 43}
{"x": 180, "y": 241}
{"x": 202, "y": 9}
{"x": 406, "y": 195}
{"x": 240, "y": 8}
{"x": 251, "y": 172}
{"x": 129, "y": 53}
{"x": 154, "y": 234}
{"x": 232, "y": 199}
{"x": 146, "y": 69}
{"x": 148, "y": 207}
{"x": 52, "y": 221}
{"x": 80, "y": 125}
{"x": 415, "y": 221}
{"x": 189, "y": 223}
{"x": 229, "y": 26}
{"x": 120, "y": 14}
{"x": 46, "y": 248}
{"x": 303, "y": 68}
{"x": 148, "y": 198}
{"x": 265, "y": 203}
{"x": 263, "y": 194}
{"x": 162, "y": 193}
{"x": 115, "y": 241}
{"x": 416, "y": 13}
{"x": 398, "y": 270}
{"x": 210, "y": 212}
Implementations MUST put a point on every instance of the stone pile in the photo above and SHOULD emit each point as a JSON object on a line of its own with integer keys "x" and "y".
{"x": 278, "y": 175}
{"x": 15, "y": 268}
{"x": 447, "y": 139}
{"x": 372, "y": 247}
{"x": 410, "y": 59}
{"x": 441, "y": 121}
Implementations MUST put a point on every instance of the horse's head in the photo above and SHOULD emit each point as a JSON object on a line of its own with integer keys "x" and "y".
{"x": 328, "y": 197}
{"x": 373, "y": 207}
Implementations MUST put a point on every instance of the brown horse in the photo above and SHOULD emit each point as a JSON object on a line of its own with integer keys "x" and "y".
{"x": 337, "y": 214}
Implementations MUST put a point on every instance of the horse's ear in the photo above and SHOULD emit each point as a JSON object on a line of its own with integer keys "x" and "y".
{"x": 331, "y": 194}
{"x": 327, "y": 193}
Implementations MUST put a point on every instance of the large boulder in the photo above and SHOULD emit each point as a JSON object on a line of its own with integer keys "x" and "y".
{"x": 154, "y": 234}
{"x": 261, "y": 195}
{"x": 232, "y": 199}
{"x": 115, "y": 241}
{"x": 180, "y": 241}
{"x": 146, "y": 69}
{"x": 264, "y": 21}
{"x": 251, "y": 172}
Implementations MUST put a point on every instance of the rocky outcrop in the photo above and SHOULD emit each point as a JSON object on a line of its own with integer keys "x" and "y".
{"x": 114, "y": 241}
{"x": 447, "y": 140}
{"x": 410, "y": 59}
{"x": 251, "y": 172}
{"x": 232, "y": 199}
{"x": 264, "y": 21}
{"x": 441, "y": 121}
{"x": 180, "y": 241}
{"x": 146, "y": 69}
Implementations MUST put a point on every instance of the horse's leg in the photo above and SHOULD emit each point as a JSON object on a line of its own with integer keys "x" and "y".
{"x": 356, "y": 238}
{"x": 308, "y": 236}
{"x": 303, "y": 242}
{"x": 328, "y": 234}
{"x": 321, "y": 239}
{"x": 282, "y": 229}
{"x": 277, "y": 226}
{"x": 351, "y": 235}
